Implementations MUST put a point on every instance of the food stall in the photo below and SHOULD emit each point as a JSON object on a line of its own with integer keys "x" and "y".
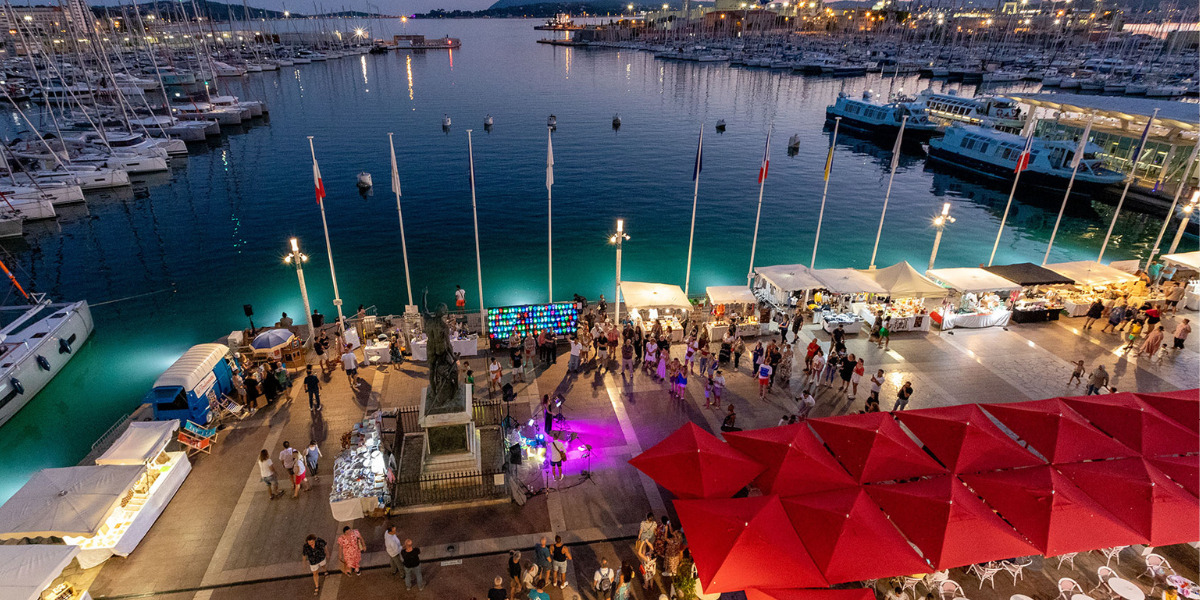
{"x": 362, "y": 472}
{"x": 1037, "y": 302}
{"x": 1187, "y": 261}
{"x": 648, "y": 303}
{"x": 1093, "y": 281}
{"x": 904, "y": 304}
{"x": 35, "y": 572}
{"x": 977, "y": 301}
{"x": 779, "y": 285}
{"x": 846, "y": 286}
{"x": 732, "y": 306}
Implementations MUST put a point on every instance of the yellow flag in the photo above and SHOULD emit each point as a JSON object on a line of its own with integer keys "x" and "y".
{"x": 828, "y": 162}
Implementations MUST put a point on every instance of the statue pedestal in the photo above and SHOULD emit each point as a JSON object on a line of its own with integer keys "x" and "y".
{"x": 451, "y": 441}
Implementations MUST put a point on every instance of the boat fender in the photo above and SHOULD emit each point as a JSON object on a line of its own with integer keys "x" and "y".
{"x": 64, "y": 347}
{"x": 43, "y": 363}
{"x": 16, "y": 384}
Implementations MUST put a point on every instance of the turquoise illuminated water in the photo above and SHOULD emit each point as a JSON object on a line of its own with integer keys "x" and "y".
{"x": 213, "y": 232}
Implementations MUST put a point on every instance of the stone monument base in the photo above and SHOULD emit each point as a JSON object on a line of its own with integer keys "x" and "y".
{"x": 451, "y": 443}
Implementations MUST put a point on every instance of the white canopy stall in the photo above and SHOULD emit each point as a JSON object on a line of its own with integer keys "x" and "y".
{"x": 907, "y": 289}
{"x": 644, "y": 302}
{"x": 1090, "y": 278}
{"x": 971, "y": 310}
{"x": 842, "y": 282}
{"x": 733, "y": 305}
{"x": 776, "y": 284}
{"x": 28, "y": 571}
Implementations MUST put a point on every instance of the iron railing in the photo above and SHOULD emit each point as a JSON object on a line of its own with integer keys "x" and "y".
{"x": 485, "y": 413}
{"x": 450, "y": 487}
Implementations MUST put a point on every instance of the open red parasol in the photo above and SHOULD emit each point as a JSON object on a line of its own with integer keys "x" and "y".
{"x": 965, "y": 440}
{"x": 796, "y": 461}
{"x": 839, "y": 527}
{"x": 1141, "y": 496}
{"x": 691, "y": 463}
{"x": 1184, "y": 470}
{"x": 1056, "y": 431}
{"x": 950, "y": 525}
{"x": 807, "y": 594}
{"x": 873, "y": 448}
{"x": 1181, "y": 405}
{"x": 1051, "y": 511}
{"x": 1136, "y": 424}
{"x": 745, "y": 542}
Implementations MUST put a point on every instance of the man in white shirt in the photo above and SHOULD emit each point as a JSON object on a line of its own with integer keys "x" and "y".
{"x": 350, "y": 363}
{"x": 393, "y": 546}
{"x": 807, "y": 402}
{"x": 876, "y": 386}
{"x": 604, "y": 581}
{"x": 576, "y": 349}
{"x": 558, "y": 453}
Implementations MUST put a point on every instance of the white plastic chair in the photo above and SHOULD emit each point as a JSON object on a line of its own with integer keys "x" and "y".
{"x": 949, "y": 589}
{"x": 1067, "y": 558}
{"x": 1157, "y": 568}
{"x": 988, "y": 574}
{"x": 1111, "y": 553}
{"x": 910, "y": 583}
{"x": 1102, "y": 575}
{"x": 1016, "y": 569}
{"x": 1068, "y": 587}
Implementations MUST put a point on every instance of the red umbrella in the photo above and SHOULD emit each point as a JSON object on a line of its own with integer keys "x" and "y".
{"x": 1141, "y": 496}
{"x": 745, "y": 542}
{"x": 872, "y": 447}
{"x": 1184, "y": 470}
{"x": 950, "y": 525}
{"x": 841, "y": 526}
{"x": 796, "y": 461}
{"x": 1181, "y": 405}
{"x": 803, "y": 594}
{"x": 691, "y": 463}
{"x": 1135, "y": 424}
{"x": 1051, "y": 511}
{"x": 965, "y": 440}
{"x": 1057, "y": 432}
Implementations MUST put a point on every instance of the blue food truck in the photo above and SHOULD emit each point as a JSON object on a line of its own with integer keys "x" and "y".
{"x": 186, "y": 390}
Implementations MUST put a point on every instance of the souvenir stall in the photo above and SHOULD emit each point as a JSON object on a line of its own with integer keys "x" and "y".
{"x": 1187, "y": 261}
{"x": 649, "y": 303}
{"x": 1093, "y": 281}
{"x": 732, "y": 306}
{"x": 904, "y": 303}
{"x": 362, "y": 472}
{"x": 783, "y": 286}
{"x": 843, "y": 287}
{"x": 35, "y": 572}
{"x": 1039, "y": 298}
{"x": 978, "y": 300}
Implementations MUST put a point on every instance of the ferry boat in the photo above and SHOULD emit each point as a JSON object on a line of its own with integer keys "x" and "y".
{"x": 867, "y": 115}
{"x": 418, "y": 42}
{"x": 1003, "y": 114}
{"x": 994, "y": 154}
{"x": 35, "y": 346}
{"x": 560, "y": 22}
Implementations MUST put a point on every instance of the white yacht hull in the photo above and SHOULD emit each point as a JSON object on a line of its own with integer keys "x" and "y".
{"x": 21, "y": 375}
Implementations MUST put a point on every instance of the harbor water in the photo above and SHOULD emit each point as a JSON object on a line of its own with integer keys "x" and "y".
{"x": 170, "y": 263}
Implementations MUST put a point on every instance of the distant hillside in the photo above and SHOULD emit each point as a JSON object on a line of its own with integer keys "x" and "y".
{"x": 564, "y": 7}
{"x": 524, "y": 8}
{"x": 217, "y": 11}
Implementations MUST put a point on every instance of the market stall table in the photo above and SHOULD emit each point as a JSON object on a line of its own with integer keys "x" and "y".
{"x": 968, "y": 281}
{"x": 381, "y": 352}
{"x": 912, "y": 322}
{"x": 361, "y": 472}
{"x": 1125, "y": 589}
{"x": 851, "y": 323}
{"x": 468, "y": 346}
{"x": 1191, "y": 296}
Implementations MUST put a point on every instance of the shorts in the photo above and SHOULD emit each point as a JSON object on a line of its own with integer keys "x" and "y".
{"x": 559, "y": 566}
{"x": 1179, "y": 343}
{"x": 314, "y": 568}
{"x": 855, "y": 378}
{"x": 299, "y": 479}
{"x": 1172, "y": 303}
{"x": 763, "y": 381}
{"x": 460, "y": 303}
{"x": 352, "y": 372}
{"x": 556, "y": 463}
{"x": 271, "y": 480}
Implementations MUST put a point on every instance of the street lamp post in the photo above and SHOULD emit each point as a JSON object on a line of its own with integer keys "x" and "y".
{"x": 298, "y": 258}
{"x": 940, "y": 222}
{"x": 617, "y": 238}
{"x": 1183, "y": 222}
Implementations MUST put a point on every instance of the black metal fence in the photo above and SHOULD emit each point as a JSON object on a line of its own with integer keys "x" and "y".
{"x": 450, "y": 487}
{"x": 413, "y": 488}
{"x": 485, "y": 413}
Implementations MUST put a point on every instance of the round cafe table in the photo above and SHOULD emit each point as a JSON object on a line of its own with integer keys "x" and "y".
{"x": 1125, "y": 589}
{"x": 1019, "y": 597}
{"x": 1081, "y": 597}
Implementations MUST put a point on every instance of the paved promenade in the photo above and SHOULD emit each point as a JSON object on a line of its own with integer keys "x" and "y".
{"x": 222, "y": 537}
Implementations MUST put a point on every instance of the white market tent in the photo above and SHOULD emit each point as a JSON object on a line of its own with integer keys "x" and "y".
{"x": 142, "y": 441}
{"x": 1190, "y": 260}
{"x": 788, "y": 278}
{"x": 27, "y": 570}
{"x": 971, "y": 279}
{"x": 72, "y": 501}
{"x": 1090, "y": 272}
{"x": 901, "y": 280}
{"x": 730, "y": 294}
{"x": 846, "y": 281}
{"x": 654, "y": 295}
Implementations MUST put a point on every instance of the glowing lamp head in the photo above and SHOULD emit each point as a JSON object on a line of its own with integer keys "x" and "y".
{"x": 295, "y": 244}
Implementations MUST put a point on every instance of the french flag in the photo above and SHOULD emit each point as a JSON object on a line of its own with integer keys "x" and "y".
{"x": 766, "y": 161}
{"x": 1023, "y": 159}
{"x": 320, "y": 185}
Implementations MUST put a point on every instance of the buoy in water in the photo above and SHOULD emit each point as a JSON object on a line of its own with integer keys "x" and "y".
{"x": 364, "y": 180}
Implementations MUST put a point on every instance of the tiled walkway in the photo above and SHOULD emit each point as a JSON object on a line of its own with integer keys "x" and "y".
{"x": 222, "y": 530}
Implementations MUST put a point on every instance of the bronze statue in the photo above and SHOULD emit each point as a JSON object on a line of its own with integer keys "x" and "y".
{"x": 443, "y": 395}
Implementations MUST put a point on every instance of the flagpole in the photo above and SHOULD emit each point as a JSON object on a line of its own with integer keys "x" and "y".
{"x": 1137, "y": 156}
{"x": 337, "y": 299}
{"x": 821, "y": 215}
{"x": 549, "y": 209}
{"x": 475, "y": 217}
{"x": 687, "y": 280}
{"x": 399, "y": 213}
{"x": 888, "y": 194}
{"x": 1187, "y": 170}
{"x": 1077, "y": 159}
{"x": 762, "y": 182}
{"x": 1025, "y": 156}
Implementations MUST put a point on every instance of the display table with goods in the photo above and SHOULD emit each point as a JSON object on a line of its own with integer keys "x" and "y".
{"x": 1191, "y": 297}
{"x": 378, "y": 353}
{"x": 742, "y": 327}
{"x": 1036, "y": 310}
{"x": 972, "y": 312}
{"x": 906, "y": 314}
{"x": 467, "y": 345}
{"x": 850, "y": 322}
{"x": 361, "y": 472}
{"x": 672, "y": 329}
{"x": 729, "y": 304}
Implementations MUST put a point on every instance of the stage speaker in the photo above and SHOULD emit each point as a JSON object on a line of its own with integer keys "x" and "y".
{"x": 248, "y": 309}
{"x": 514, "y": 454}
{"x": 507, "y": 393}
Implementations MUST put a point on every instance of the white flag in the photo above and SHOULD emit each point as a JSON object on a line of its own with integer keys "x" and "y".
{"x": 549, "y": 160}
{"x": 395, "y": 172}
{"x": 899, "y": 140}
{"x": 1083, "y": 140}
